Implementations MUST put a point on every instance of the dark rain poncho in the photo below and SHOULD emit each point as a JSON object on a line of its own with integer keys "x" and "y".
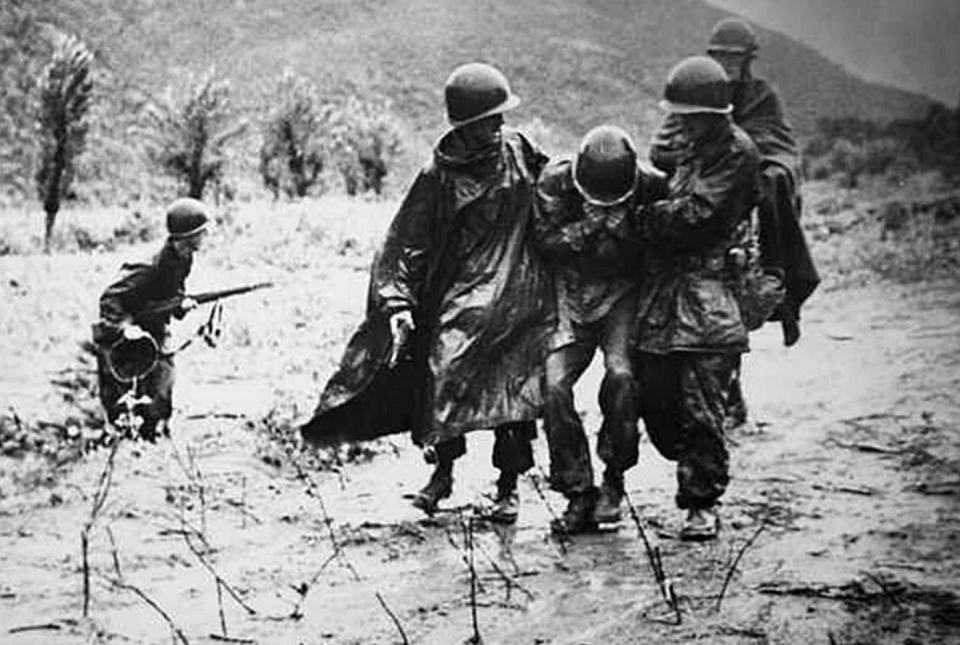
{"x": 757, "y": 109}
{"x": 458, "y": 255}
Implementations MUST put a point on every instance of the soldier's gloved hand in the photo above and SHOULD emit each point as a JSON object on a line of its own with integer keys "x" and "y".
{"x": 133, "y": 332}
{"x": 595, "y": 215}
{"x": 401, "y": 326}
{"x": 617, "y": 222}
{"x": 187, "y": 305}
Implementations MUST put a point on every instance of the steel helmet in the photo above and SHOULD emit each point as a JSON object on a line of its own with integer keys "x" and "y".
{"x": 186, "y": 217}
{"x": 733, "y": 35}
{"x": 605, "y": 168}
{"x": 477, "y": 90}
{"x": 697, "y": 84}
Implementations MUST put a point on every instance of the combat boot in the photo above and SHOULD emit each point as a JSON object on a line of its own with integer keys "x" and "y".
{"x": 610, "y": 499}
{"x": 506, "y": 503}
{"x": 701, "y": 524}
{"x": 578, "y": 516}
{"x": 439, "y": 487}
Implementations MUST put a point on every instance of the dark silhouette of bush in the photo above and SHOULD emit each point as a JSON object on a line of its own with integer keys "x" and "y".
{"x": 187, "y": 133}
{"x": 66, "y": 87}
{"x": 365, "y": 137}
{"x": 292, "y": 155}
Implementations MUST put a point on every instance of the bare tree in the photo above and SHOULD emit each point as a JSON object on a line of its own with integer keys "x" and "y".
{"x": 66, "y": 87}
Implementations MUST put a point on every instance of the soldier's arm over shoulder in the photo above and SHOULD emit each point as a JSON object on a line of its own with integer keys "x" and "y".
{"x": 688, "y": 217}
{"x": 558, "y": 233}
{"x": 667, "y": 145}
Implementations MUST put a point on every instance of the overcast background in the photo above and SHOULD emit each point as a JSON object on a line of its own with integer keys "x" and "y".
{"x": 913, "y": 44}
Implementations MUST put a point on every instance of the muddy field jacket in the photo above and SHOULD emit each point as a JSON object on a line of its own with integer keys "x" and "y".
{"x": 139, "y": 285}
{"x": 595, "y": 261}
{"x": 687, "y": 297}
{"x": 458, "y": 256}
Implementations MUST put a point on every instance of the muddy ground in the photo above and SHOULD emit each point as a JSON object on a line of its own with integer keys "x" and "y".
{"x": 841, "y": 524}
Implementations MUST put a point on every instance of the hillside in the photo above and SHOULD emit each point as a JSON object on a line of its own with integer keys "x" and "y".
{"x": 575, "y": 62}
{"x": 911, "y": 45}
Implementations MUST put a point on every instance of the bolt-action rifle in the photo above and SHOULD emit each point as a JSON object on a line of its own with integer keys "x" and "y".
{"x": 171, "y": 304}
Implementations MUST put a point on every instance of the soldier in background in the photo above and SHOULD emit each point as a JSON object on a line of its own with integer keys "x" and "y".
{"x": 585, "y": 229}
{"x": 690, "y": 333}
{"x": 459, "y": 306}
{"x": 123, "y": 318}
{"x": 758, "y": 110}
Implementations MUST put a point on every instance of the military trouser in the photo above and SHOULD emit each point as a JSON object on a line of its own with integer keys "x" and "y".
{"x": 512, "y": 447}
{"x": 157, "y": 385}
{"x": 683, "y": 399}
{"x": 571, "y": 471}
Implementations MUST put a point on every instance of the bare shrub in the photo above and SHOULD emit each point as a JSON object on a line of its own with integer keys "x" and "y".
{"x": 292, "y": 155}
{"x": 365, "y": 139}
{"x": 187, "y": 132}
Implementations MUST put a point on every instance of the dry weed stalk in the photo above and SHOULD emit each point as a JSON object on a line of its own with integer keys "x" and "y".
{"x": 99, "y": 500}
{"x": 468, "y": 541}
{"x": 120, "y": 583}
{"x": 561, "y": 536}
{"x": 654, "y": 557}
{"x": 313, "y": 490}
{"x": 736, "y": 561}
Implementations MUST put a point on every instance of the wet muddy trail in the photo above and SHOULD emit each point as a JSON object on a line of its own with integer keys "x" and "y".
{"x": 841, "y": 524}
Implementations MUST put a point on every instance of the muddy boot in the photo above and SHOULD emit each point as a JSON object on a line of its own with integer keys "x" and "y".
{"x": 611, "y": 496}
{"x": 701, "y": 524}
{"x": 578, "y": 516}
{"x": 439, "y": 487}
{"x": 506, "y": 503}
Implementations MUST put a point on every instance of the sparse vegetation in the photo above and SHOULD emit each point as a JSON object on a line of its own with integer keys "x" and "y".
{"x": 851, "y": 149}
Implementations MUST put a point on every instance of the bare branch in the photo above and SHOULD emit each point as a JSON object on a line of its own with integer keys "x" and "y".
{"x": 736, "y": 561}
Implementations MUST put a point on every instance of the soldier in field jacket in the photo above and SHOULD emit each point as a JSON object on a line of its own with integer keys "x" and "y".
{"x": 690, "y": 333}
{"x": 122, "y": 317}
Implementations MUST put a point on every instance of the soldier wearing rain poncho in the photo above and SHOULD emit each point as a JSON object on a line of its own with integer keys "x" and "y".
{"x": 458, "y": 308}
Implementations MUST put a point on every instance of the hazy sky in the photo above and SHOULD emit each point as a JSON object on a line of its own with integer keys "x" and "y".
{"x": 913, "y": 44}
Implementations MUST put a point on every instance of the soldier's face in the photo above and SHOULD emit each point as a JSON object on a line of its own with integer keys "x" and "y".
{"x": 190, "y": 245}
{"x": 732, "y": 63}
{"x": 697, "y": 125}
{"x": 482, "y": 133}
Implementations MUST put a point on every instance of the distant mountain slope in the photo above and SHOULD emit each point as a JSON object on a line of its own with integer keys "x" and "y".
{"x": 912, "y": 45}
{"x": 575, "y": 62}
